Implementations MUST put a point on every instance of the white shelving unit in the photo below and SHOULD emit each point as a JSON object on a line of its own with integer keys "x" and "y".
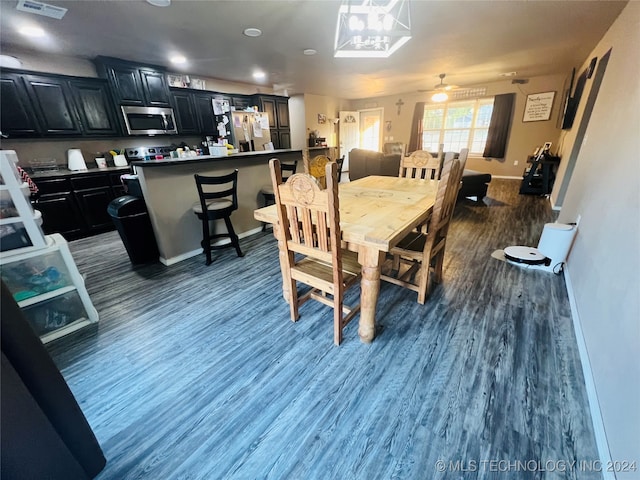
{"x": 19, "y": 223}
{"x": 38, "y": 270}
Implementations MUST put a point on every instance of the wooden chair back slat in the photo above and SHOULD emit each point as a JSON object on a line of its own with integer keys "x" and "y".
{"x": 420, "y": 164}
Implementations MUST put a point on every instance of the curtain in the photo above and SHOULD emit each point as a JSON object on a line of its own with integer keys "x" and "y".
{"x": 415, "y": 140}
{"x": 499, "y": 126}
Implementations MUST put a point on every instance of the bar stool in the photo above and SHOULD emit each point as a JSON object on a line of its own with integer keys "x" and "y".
{"x": 218, "y": 198}
{"x": 268, "y": 195}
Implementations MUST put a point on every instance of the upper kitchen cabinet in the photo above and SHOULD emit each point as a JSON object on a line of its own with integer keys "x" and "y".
{"x": 17, "y": 116}
{"x": 53, "y": 103}
{"x": 155, "y": 88}
{"x": 185, "y": 110}
{"x": 204, "y": 113}
{"x": 276, "y": 107}
{"x": 95, "y": 107}
{"x": 134, "y": 84}
{"x": 241, "y": 102}
{"x": 42, "y": 105}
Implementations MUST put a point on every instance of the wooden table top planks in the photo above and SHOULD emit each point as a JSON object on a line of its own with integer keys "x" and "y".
{"x": 377, "y": 211}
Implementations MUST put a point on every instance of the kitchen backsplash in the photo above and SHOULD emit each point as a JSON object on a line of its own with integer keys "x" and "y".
{"x": 30, "y": 149}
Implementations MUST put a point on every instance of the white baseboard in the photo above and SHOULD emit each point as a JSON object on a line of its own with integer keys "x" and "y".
{"x": 592, "y": 394}
{"x": 178, "y": 258}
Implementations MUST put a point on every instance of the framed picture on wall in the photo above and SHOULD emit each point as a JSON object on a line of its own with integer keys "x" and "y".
{"x": 322, "y": 118}
{"x": 538, "y": 107}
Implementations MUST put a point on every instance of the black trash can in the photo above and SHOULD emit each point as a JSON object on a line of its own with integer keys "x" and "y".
{"x": 130, "y": 216}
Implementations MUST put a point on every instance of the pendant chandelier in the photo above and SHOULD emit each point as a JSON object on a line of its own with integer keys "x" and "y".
{"x": 372, "y": 28}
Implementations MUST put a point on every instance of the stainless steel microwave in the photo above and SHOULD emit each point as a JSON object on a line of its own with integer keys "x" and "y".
{"x": 149, "y": 120}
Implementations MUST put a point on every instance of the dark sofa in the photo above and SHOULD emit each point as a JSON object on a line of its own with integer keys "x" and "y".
{"x": 363, "y": 163}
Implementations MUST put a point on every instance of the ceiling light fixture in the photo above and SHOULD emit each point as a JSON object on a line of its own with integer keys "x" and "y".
{"x": 259, "y": 75}
{"x": 441, "y": 95}
{"x": 309, "y": 51}
{"x": 178, "y": 59}
{"x": 9, "y": 62}
{"x": 252, "y": 32}
{"x": 372, "y": 28}
{"x": 33, "y": 32}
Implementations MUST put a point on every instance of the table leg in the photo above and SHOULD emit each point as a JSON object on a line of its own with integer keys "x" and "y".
{"x": 371, "y": 259}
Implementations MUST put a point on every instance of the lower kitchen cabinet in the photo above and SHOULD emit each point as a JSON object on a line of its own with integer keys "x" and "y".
{"x": 60, "y": 214}
{"x": 93, "y": 204}
{"x": 49, "y": 289}
{"x": 75, "y": 205}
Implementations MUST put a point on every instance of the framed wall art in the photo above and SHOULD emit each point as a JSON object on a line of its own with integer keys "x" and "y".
{"x": 538, "y": 107}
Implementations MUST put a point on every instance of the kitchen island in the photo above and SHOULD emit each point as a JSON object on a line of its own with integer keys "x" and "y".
{"x": 169, "y": 191}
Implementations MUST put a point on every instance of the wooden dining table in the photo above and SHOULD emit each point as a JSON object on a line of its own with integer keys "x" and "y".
{"x": 376, "y": 212}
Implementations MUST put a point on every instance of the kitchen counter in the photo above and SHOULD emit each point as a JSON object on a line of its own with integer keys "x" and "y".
{"x": 189, "y": 160}
{"x": 65, "y": 172}
{"x": 169, "y": 191}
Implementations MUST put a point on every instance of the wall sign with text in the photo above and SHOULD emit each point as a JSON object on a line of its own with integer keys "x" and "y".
{"x": 538, "y": 107}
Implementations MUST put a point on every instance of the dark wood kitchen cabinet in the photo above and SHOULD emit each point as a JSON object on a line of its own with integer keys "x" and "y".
{"x": 204, "y": 113}
{"x": 95, "y": 107}
{"x": 185, "y": 111}
{"x": 17, "y": 115}
{"x": 75, "y": 205}
{"x": 56, "y": 105}
{"x": 241, "y": 102}
{"x": 134, "y": 84}
{"x": 93, "y": 194}
{"x": 53, "y": 103}
{"x": 155, "y": 88}
{"x": 277, "y": 108}
{"x": 59, "y": 210}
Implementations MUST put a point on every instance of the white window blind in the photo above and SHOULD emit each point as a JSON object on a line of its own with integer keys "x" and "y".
{"x": 463, "y": 124}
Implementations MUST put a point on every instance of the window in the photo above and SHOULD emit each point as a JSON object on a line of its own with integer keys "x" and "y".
{"x": 457, "y": 125}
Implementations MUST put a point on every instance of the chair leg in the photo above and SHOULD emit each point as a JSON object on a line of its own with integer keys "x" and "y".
{"x": 234, "y": 238}
{"x": 337, "y": 318}
{"x": 206, "y": 241}
{"x": 293, "y": 301}
{"x": 423, "y": 286}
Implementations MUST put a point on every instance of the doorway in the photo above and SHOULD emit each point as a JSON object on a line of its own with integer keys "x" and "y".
{"x": 371, "y": 129}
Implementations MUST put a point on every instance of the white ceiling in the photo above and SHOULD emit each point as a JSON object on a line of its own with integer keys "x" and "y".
{"x": 472, "y": 41}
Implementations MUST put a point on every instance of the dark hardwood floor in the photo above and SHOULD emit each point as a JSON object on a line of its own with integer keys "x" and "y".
{"x": 197, "y": 372}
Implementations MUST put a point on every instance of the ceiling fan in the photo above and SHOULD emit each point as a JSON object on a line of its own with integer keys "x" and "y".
{"x": 441, "y": 88}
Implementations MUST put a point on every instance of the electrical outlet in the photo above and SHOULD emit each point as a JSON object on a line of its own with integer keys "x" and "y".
{"x": 515, "y": 162}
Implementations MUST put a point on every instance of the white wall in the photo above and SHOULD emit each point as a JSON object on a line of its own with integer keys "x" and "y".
{"x": 604, "y": 264}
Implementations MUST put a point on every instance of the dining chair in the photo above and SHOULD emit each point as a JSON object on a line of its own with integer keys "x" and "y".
{"x": 218, "y": 198}
{"x": 317, "y": 169}
{"x": 310, "y": 243}
{"x": 266, "y": 191}
{"x": 418, "y": 258}
{"x": 421, "y": 164}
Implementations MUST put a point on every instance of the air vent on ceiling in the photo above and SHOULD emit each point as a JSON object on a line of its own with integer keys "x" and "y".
{"x": 40, "y": 8}
{"x": 469, "y": 93}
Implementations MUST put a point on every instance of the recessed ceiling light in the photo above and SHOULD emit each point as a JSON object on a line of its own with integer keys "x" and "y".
{"x": 159, "y": 3}
{"x": 9, "y": 62}
{"x": 252, "y": 32}
{"x": 35, "y": 32}
{"x": 259, "y": 75}
{"x": 309, "y": 51}
{"x": 178, "y": 59}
